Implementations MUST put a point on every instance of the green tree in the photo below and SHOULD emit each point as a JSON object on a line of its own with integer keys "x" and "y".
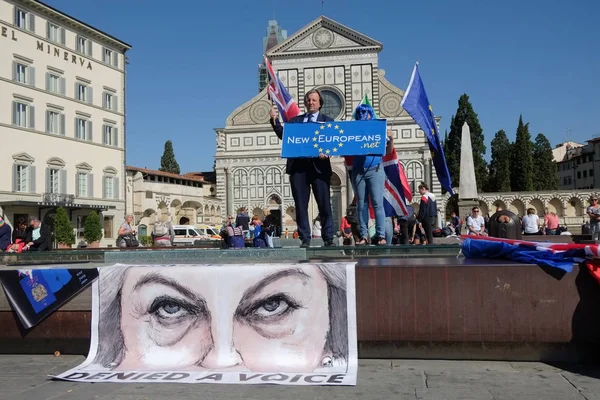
{"x": 499, "y": 178}
{"x": 63, "y": 229}
{"x": 545, "y": 168}
{"x": 167, "y": 161}
{"x": 465, "y": 113}
{"x": 522, "y": 172}
{"x": 92, "y": 230}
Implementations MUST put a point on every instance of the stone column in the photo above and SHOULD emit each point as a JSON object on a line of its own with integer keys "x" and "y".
{"x": 228, "y": 192}
{"x": 427, "y": 168}
{"x": 349, "y": 191}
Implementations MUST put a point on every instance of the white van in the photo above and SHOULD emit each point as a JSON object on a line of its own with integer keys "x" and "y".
{"x": 210, "y": 231}
{"x": 186, "y": 235}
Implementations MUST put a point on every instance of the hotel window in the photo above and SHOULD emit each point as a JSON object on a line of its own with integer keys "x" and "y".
{"x": 23, "y": 73}
{"x": 56, "y": 180}
{"x": 84, "y": 45}
{"x": 110, "y": 57}
{"x": 83, "y": 129}
{"x": 84, "y": 184}
{"x": 53, "y": 83}
{"x": 83, "y": 92}
{"x": 23, "y": 115}
{"x": 23, "y": 178}
{"x": 109, "y": 101}
{"x": 55, "y": 33}
{"x": 110, "y": 135}
{"x": 55, "y": 122}
{"x": 24, "y": 20}
{"x": 110, "y": 187}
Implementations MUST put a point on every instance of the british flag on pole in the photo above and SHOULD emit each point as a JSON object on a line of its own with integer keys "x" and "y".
{"x": 280, "y": 95}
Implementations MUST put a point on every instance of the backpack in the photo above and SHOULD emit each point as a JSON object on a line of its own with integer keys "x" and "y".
{"x": 161, "y": 229}
{"x": 351, "y": 214}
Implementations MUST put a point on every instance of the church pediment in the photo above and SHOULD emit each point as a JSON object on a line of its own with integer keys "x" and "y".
{"x": 324, "y": 36}
{"x": 253, "y": 112}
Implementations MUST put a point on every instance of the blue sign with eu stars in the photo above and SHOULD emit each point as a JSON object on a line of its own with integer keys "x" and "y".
{"x": 334, "y": 138}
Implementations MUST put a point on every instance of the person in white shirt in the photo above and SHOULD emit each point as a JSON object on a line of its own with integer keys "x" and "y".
{"x": 531, "y": 222}
{"x": 476, "y": 223}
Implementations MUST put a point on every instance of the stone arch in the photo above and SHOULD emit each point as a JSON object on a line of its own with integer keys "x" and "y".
{"x": 147, "y": 218}
{"x": 555, "y": 205}
{"x": 537, "y": 204}
{"x": 274, "y": 200}
{"x": 483, "y": 208}
{"x": 290, "y": 216}
{"x": 414, "y": 174}
{"x": 499, "y": 202}
{"x": 273, "y": 176}
{"x": 259, "y": 212}
{"x": 517, "y": 206}
{"x": 575, "y": 207}
{"x": 189, "y": 209}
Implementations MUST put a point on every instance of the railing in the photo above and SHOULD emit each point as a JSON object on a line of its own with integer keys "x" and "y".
{"x": 59, "y": 198}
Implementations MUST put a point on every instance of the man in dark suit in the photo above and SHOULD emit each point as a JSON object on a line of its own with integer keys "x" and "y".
{"x": 307, "y": 173}
{"x": 38, "y": 236}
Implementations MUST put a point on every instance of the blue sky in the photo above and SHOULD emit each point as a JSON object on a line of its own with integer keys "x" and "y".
{"x": 194, "y": 62}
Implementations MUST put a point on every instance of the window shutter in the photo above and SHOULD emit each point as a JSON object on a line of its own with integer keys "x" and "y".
{"x": 62, "y": 36}
{"x": 14, "y": 113}
{"x": 31, "y": 110}
{"x": 48, "y": 186}
{"x": 15, "y": 16}
{"x": 104, "y": 187}
{"x": 115, "y": 59}
{"x": 104, "y": 99}
{"x": 116, "y": 188}
{"x": 90, "y": 95}
{"x": 63, "y": 181}
{"x": 90, "y": 135}
{"x": 115, "y": 138}
{"x": 47, "y": 80}
{"x": 31, "y": 170}
{"x": 62, "y": 124}
{"x": 103, "y": 54}
{"x": 48, "y": 29}
{"x": 76, "y": 184}
{"x": 115, "y": 105}
{"x": 31, "y": 22}
{"x": 31, "y": 76}
{"x": 15, "y": 178}
{"x": 62, "y": 86}
{"x": 47, "y": 121}
{"x": 76, "y": 134}
{"x": 14, "y": 70}
{"x": 89, "y": 48}
{"x": 76, "y": 91}
{"x": 90, "y": 188}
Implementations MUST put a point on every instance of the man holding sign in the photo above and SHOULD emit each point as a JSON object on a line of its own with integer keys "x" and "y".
{"x": 307, "y": 173}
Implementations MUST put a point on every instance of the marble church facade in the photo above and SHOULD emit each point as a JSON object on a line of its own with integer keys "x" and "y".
{"x": 344, "y": 65}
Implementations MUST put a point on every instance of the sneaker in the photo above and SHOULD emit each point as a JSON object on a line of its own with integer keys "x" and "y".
{"x": 329, "y": 243}
{"x": 305, "y": 244}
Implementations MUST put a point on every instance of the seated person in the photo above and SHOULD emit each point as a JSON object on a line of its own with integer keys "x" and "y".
{"x": 16, "y": 247}
{"x": 38, "y": 236}
{"x": 5, "y": 235}
{"x": 476, "y": 223}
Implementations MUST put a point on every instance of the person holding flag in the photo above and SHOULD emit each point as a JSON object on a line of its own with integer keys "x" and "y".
{"x": 305, "y": 173}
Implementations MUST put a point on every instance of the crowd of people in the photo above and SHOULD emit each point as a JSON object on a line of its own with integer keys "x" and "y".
{"x": 34, "y": 236}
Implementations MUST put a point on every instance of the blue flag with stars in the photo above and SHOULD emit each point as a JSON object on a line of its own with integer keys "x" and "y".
{"x": 334, "y": 138}
{"x": 417, "y": 105}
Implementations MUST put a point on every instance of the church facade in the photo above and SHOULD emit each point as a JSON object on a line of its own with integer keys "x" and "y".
{"x": 344, "y": 65}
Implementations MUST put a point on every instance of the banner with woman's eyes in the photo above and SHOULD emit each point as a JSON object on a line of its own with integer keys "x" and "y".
{"x": 270, "y": 323}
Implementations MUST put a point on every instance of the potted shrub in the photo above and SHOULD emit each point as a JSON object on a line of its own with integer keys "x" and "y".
{"x": 63, "y": 230}
{"x": 92, "y": 230}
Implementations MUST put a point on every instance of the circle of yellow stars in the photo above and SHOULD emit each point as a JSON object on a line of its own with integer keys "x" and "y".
{"x": 323, "y": 149}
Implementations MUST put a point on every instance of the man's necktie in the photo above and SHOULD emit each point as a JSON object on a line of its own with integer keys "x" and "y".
{"x": 311, "y": 118}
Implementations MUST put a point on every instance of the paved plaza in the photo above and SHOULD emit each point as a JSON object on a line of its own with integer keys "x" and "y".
{"x": 25, "y": 378}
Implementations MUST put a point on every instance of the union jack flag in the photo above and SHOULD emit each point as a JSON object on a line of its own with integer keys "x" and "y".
{"x": 280, "y": 95}
{"x": 557, "y": 255}
{"x": 396, "y": 188}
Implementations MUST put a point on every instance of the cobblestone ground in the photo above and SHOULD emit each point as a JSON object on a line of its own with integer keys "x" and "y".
{"x": 25, "y": 377}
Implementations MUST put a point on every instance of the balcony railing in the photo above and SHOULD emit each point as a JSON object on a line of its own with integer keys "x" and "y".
{"x": 59, "y": 198}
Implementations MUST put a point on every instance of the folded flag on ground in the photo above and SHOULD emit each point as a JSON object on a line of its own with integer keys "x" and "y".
{"x": 557, "y": 255}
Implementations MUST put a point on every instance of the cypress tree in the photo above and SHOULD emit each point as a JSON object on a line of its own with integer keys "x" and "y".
{"x": 465, "y": 113}
{"x": 522, "y": 171}
{"x": 167, "y": 161}
{"x": 546, "y": 172}
{"x": 499, "y": 178}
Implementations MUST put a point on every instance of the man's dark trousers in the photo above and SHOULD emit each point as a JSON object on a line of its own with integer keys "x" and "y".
{"x": 301, "y": 183}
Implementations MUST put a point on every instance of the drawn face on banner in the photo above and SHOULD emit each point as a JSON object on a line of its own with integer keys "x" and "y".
{"x": 269, "y": 318}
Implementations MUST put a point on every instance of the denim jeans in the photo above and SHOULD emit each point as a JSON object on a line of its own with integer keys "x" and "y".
{"x": 389, "y": 230}
{"x": 369, "y": 183}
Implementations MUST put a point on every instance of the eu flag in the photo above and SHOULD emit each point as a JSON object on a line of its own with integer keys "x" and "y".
{"x": 417, "y": 105}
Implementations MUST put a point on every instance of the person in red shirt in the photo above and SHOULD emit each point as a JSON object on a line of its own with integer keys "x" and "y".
{"x": 550, "y": 223}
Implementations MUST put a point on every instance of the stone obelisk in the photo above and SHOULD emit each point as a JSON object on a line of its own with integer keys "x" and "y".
{"x": 467, "y": 192}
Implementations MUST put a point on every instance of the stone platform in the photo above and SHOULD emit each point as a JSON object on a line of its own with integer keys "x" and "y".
{"x": 412, "y": 307}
